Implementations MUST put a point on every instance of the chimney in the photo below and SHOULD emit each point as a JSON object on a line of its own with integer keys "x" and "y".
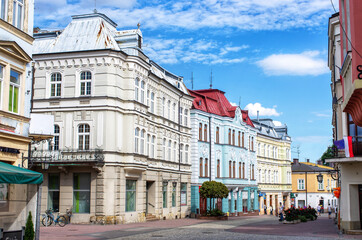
{"x": 295, "y": 160}
{"x": 257, "y": 115}
{"x": 307, "y": 159}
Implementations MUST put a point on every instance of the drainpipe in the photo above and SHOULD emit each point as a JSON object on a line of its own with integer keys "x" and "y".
{"x": 306, "y": 189}
{"x": 210, "y": 148}
{"x": 179, "y": 143}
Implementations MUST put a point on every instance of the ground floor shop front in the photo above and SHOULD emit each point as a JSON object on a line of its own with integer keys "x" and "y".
{"x": 240, "y": 200}
{"x": 271, "y": 202}
{"x": 115, "y": 193}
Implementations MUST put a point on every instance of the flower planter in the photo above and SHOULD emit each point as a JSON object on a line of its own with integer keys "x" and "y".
{"x": 288, "y": 222}
{"x": 213, "y": 217}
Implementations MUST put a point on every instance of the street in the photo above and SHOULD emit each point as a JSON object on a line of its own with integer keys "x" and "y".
{"x": 245, "y": 227}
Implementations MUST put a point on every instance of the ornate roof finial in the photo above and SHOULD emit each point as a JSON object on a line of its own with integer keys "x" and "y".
{"x": 138, "y": 25}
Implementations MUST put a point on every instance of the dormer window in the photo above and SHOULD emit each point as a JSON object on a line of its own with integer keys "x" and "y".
{"x": 199, "y": 102}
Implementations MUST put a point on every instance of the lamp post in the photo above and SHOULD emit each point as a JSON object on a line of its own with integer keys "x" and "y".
{"x": 320, "y": 178}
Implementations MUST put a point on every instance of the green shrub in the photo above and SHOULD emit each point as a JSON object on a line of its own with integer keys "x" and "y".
{"x": 29, "y": 228}
{"x": 215, "y": 212}
{"x": 302, "y": 218}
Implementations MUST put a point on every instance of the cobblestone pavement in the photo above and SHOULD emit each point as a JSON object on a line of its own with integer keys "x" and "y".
{"x": 246, "y": 227}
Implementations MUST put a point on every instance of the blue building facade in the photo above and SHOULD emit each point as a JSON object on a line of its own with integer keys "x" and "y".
{"x": 223, "y": 150}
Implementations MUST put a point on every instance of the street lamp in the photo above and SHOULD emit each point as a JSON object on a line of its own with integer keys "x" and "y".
{"x": 320, "y": 178}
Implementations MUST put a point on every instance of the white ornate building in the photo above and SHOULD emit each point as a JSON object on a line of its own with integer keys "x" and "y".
{"x": 122, "y": 128}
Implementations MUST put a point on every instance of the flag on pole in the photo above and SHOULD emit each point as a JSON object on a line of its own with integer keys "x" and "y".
{"x": 346, "y": 144}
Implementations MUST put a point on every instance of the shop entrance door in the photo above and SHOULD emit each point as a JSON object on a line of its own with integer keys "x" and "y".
{"x": 360, "y": 205}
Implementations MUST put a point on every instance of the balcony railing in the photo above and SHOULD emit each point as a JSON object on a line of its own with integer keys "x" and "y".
{"x": 67, "y": 156}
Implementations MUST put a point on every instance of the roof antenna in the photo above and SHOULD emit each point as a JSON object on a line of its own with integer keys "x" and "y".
{"x": 95, "y": 6}
{"x": 138, "y": 25}
{"x": 239, "y": 102}
{"x": 211, "y": 80}
{"x": 192, "y": 80}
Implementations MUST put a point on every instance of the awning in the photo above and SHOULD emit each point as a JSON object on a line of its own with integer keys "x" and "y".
{"x": 16, "y": 175}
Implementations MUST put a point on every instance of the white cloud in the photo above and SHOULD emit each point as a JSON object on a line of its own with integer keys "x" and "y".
{"x": 253, "y": 109}
{"x": 323, "y": 114}
{"x": 228, "y": 49}
{"x": 277, "y": 123}
{"x": 312, "y": 139}
{"x": 305, "y": 63}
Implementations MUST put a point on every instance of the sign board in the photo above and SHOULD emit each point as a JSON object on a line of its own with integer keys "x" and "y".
{"x": 12, "y": 235}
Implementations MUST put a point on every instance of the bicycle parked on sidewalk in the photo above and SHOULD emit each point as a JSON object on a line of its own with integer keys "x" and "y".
{"x": 48, "y": 219}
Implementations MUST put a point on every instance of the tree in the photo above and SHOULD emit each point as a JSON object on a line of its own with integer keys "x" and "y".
{"x": 212, "y": 190}
{"x": 329, "y": 153}
{"x": 29, "y": 228}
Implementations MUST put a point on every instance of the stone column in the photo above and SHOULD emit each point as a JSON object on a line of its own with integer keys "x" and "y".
{"x": 256, "y": 203}
{"x": 232, "y": 205}
{"x": 239, "y": 202}
{"x": 249, "y": 202}
{"x": 225, "y": 205}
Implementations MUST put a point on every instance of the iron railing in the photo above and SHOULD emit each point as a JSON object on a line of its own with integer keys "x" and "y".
{"x": 67, "y": 156}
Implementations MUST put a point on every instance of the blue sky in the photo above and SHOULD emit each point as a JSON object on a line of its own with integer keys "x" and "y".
{"x": 269, "y": 54}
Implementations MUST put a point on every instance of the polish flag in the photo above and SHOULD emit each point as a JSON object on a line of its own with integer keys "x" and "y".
{"x": 348, "y": 146}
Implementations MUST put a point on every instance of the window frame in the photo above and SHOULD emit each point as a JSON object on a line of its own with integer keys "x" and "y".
{"x": 4, "y": 11}
{"x": 56, "y": 82}
{"x": 301, "y": 182}
{"x": 2, "y": 74}
{"x": 15, "y": 22}
{"x": 164, "y": 194}
{"x": 136, "y": 89}
{"x": 132, "y": 191}
{"x": 53, "y": 190}
{"x": 12, "y": 87}
{"x": 81, "y": 190}
{"x": 55, "y": 145}
{"x": 86, "y": 83}
{"x": 85, "y": 137}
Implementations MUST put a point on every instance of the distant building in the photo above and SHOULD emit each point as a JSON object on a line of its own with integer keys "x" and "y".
{"x": 307, "y": 190}
{"x": 223, "y": 150}
{"x": 345, "y": 63}
{"x": 274, "y": 165}
{"x": 122, "y": 126}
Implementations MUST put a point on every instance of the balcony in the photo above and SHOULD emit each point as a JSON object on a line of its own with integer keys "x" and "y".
{"x": 66, "y": 156}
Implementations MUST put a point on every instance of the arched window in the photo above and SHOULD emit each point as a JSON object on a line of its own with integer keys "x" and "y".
{"x": 83, "y": 136}
{"x": 85, "y": 83}
{"x": 205, "y": 132}
{"x": 206, "y": 167}
{"x": 142, "y": 92}
{"x": 201, "y": 168}
{"x": 181, "y": 112}
{"x": 234, "y": 137}
{"x": 217, "y": 134}
{"x": 55, "y": 143}
{"x": 239, "y": 138}
{"x": 265, "y": 176}
{"x": 218, "y": 169}
{"x": 169, "y": 150}
{"x": 136, "y": 89}
{"x": 269, "y": 176}
{"x": 259, "y": 176}
{"x": 200, "y": 131}
{"x": 148, "y": 97}
{"x": 152, "y": 102}
{"x": 142, "y": 147}
{"x": 229, "y": 137}
{"x": 249, "y": 144}
{"x": 264, "y": 150}
{"x": 56, "y": 85}
{"x": 242, "y": 140}
{"x": 243, "y": 170}
{"x": 136, "y": 140}
{"x": 239, "y": 169}
{"x": 234, "y": 170}
{"x": 186, "y": 117}
{"x": 252, "y": 143}
{"x": 230, "y": 176}
{"x": 252, "y": 172}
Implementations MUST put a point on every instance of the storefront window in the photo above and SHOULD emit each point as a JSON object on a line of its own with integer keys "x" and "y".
{"x": 174, "y": 194}
{"x": 81, "y": 192}
{"x": 53, "y": 191}
{"x": 130, "y": 195}
{"x": 4, "y": 197}
{"x": 183, "y": 194}
{"x": 164, "y": 194}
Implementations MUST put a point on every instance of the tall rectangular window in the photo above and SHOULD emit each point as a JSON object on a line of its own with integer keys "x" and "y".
{"x": 18, "y": 13}
{"x": 174, "y": 185}
{"x": 81, "y": 192}
{"x": 1, "y": 81}
{"x": 164, "y": 194}
{"x": 321, "y": 185}
{"x": 183, "y": 194}
{"x": 217, "y": 135}
{"x": 14, "y": 91}
{"x": 53, "y": 191}
{"x": 56, "y": 85}
{"x": 206, "y": 168}
{"x": 130, "y": 195}
{"x": 55, "y": 143}
{"x": 3, "y": 9}
{"x": 85, "y": 83}
{"x": 301, "y": 184}
{"x": 186, "y": 153}
{"x": 218, "y": 169}
{"x": 201, "y": 168}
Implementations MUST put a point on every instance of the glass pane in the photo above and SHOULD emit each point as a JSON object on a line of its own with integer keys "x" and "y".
{"x": 59, "y": 90}
{"x": 14, "y": 77}
{"x": 130, "y": 185}
{"x": 82, "y": 88}
{"x": 359, "y": 131}
{"x": 16, "y": 100}
{"x": 11, "y": 98}
{"x": 81, "y": 202}
{"x": 20, "y": 14}
{"x": 81, "y": 181}
{"x": 53, "y": 200}
{"x": 130, "y": 201}
{"x": 88, "y": 88}
{"x": 352, "y": 130}
{"x": 4, "y": 203}
{"x": 53, "y": 181}
{"x": 1, "y": 70}
{"x": 14, "y": 17}
{"x": 2, "y": 7}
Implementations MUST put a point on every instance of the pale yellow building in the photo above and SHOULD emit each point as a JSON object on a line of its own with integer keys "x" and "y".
{"x": 274, "y": 166}
{"x": 307, "y": 190}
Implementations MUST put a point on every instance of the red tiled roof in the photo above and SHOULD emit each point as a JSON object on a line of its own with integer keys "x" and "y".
{"x": 214, "y": 101}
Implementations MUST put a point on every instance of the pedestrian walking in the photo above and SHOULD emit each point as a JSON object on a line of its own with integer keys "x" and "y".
{"x": 329, "y": 211}
{"x": 319, "y": 210}
{"x": 265, "y": 209}
{"x": 336, "y": 212}
{"x": 271, "y": 210}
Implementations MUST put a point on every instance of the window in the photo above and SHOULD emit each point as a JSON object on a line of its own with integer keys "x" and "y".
{"x": 142, "y": 92}
{"x": 169, "y": 150}
{"x": 356, "y": 133}
{"x": 244, "y": 170}
{"x": 163, "y": 107}
{"x": 242, "y": 140}
{"x": 269, "y": 176}
{"x": 205, "y": 132}
{"x": 152, "y": 102}
{"x": 234, "y": 169}
{"x": 218, "y": 169}
{"x": 1, "y": 75}
{"x": 148, "y": 97}
{"x": 169, "y": 109}
{"x": 252, "y": 172}
{"x": 321, "y": 185}
{"x": 233, "y": 137}
{"x": 252, "y": 144}
{"x": 230, "y": 176}
{"x": 259, "y": 149}
{"x": 3, "y": 9}
{"x": 201, "y": 168}
{"x": 55, "y": 143}
{"x": 53, "y": 191}
{"x": 181, "y": 112}
{"x": 265, "y": 176}
{"x": 229, "y": 137}
{"x": 217, "y": 134}
{"x": 174, "y": 184}
{"x": 164, "y": 149}
{"x": 239, "y": 169}
{"x": 206, "y": 168}
{"x": 174, "y": 151}
{"x": 164, "y": 194}
{"x": 200, "y": 132}
{"x": 186, "y": 153}
{"x": 130, "y": 195}
{"x": 136, "y": 140}
{"x": 249, "y": 144}
{"x": 301, "y": 184}
{"x": 18, "y": 14}
{"x": 83, "y": 137}
{"x": 14, "y": 91}
{"x": 181, "y": 152}
{"x": 142, "y": 142}
{"x": 56, "y": 85}
{"x": 148, "y": 143}
{"x": 136, "y": 89}
{"x": 81, "y": 192}
{"x": 259, "y": 176}
{"x": 4, "y": 197}
{"x": 174, "y": 112}
{"x": 186, "y": 117}
{"x": 239, "y": 138}
{"x": 183, "y": 194}
{"x": 85, "y": 83}
{"x": 153, "y": 147}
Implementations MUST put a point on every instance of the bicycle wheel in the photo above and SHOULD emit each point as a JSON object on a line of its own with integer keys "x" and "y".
{"x": 45, "y": 223}
{"x": 62, "y": 221}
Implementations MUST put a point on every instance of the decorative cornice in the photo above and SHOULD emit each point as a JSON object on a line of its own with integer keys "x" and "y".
{"x": 16, "y": 31}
